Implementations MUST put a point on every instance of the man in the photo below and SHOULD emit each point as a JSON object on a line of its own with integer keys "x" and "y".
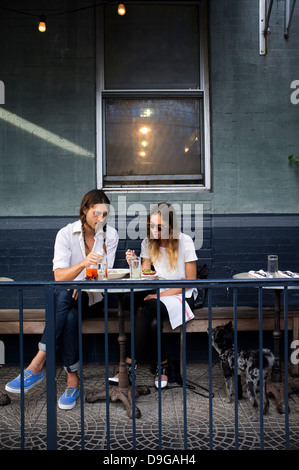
{"x": 78, "y": 245}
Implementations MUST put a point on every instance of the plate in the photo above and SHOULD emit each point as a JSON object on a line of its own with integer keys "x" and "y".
{"x": 149, "y": 276}
{"x": 117, "y": 273}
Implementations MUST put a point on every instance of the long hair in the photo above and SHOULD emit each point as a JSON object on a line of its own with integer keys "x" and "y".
{"x": 171, "y": 233}
{"x": 93, "y": 197}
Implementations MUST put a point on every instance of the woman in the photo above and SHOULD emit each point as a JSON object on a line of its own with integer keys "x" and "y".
{"x": 77, "y": 246}
{"x": 172, "y": 254}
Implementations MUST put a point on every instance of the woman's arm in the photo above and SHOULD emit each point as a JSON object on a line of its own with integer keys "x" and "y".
{"x": 190, "y": 271}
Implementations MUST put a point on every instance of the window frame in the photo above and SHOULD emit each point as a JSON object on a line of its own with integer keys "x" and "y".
{"x": 202, "y": 93}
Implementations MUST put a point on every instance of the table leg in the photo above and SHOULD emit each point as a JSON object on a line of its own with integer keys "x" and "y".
{"x": 122, "y": 392}
{"x": 276, "y": 385}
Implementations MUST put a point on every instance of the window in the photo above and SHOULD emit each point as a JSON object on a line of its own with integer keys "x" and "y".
{"x": 152, "y": 102}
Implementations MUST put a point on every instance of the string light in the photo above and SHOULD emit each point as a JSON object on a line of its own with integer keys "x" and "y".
{"x": 42, "y": 19}
{"x": 121, "y": 10}
{"x": 42, "y": 24}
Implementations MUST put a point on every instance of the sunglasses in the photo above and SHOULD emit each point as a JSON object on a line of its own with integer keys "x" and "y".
{"x": 160, "y": 228}
{"x": 104, "y": 214}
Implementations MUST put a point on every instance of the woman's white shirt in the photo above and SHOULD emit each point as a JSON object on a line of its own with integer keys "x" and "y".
{"x": 69, "y": 246}
{"x": 186, "y": 253}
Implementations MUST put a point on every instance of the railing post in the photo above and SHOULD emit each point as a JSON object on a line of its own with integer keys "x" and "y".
{"x": 51, "y": 368}
{"x": 21, "y": 318}
{"x": 210, "y": 367}
{"x": 184, "y": 368}
{"x": 286, "y": 362}
{"x": 159, "y": 371}
{"x": 261, "y": 360}
{"x": 133, "y": 368}
{"x": 107, "y": 369}
{"x": 235, "y": 313}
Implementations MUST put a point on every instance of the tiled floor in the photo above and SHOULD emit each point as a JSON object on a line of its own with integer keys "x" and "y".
{"x": 121, "y": 427}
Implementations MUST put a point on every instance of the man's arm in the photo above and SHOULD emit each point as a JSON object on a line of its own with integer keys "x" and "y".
{"x": 69, "y": 274}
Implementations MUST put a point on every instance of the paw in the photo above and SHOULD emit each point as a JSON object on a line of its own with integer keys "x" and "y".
{"x": 4, "y": 399}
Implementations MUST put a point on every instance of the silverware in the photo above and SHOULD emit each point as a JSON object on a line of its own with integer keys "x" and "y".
{"x": 289, "y": 273}
{"x": 260, "y": 274}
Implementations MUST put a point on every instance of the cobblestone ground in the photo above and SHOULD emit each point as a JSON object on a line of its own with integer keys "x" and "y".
{"x": 147, "y": 426}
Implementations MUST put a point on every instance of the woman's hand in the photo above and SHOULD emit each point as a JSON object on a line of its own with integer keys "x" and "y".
{"x": 190, "y": 270}
{"x": 93, "y": 259}
{"x": 69, "y": 274}
{"x": 129, "y": 255}
{"x": 75, "y": 294}
{"x": 150, "y": 296}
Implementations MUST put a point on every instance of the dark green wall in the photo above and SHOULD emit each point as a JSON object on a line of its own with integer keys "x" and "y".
{"x": 47, "y": 124}
{"x": 254, "y": 124}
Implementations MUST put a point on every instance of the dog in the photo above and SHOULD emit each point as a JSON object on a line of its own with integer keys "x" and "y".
{"x": 248, "y": 363}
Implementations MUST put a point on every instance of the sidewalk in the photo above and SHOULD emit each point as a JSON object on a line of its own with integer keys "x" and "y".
{"x": 121, "y": 434}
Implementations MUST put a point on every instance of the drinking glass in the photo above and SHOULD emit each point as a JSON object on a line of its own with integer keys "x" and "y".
{"x": 92, "y": 272}
{"x": 135, "y": 268}
{"x": 102, "y": 271}
{"x": 272, "y": 270}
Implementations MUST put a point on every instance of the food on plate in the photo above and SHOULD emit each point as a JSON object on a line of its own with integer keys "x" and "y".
{"x": 148, "y": 272}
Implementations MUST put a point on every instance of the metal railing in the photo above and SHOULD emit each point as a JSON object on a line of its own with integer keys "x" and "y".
{"x": 211, "y": 285}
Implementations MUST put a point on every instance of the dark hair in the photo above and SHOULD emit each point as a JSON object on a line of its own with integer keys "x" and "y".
{"x": 95, "y": 196}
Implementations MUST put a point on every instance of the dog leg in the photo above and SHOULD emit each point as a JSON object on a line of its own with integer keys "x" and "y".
{"x": 240, "y": 391}
{"x": 229, "y": 389}
{"x": 266, "y": 399}
{"x": 251, "y": 391}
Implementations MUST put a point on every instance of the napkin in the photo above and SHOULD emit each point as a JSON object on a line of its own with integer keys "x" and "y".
{"x": 259, "y": 273}
{"x": 287, "y": 274}
{"x": 173, "y": 303}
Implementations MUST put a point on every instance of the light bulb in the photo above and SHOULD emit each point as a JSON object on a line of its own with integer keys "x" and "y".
{"x": 42, "y": 24}
{"x": 121, "y": 10}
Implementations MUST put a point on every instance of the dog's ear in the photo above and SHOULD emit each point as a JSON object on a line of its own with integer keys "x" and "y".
{"x": 229, "y": 325}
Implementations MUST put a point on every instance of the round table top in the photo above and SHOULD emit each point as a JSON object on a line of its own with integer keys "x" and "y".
{"x": 119, "y": 290}
{"x": 246, "y": 275}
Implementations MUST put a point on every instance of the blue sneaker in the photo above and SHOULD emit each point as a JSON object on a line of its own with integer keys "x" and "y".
{"x": 30, "y": 380}
{"x": 67, "y": 401}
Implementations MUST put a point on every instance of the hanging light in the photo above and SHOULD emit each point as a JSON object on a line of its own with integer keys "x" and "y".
{"x": 121, "y": 10}
{"x": 42, "y": 24}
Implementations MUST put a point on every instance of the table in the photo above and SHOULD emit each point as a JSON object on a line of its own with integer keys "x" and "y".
{"x": 123, "y": 391}
{"x": 276, "y": 385}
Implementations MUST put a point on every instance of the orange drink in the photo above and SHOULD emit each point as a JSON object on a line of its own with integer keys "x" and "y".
{"x": 92, "y": 273}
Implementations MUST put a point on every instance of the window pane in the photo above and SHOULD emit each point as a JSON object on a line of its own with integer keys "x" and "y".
{"x": 149, "y": 139}
{"x": 152, "y": 47}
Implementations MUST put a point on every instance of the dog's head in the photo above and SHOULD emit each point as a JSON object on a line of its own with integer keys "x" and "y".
{"x": 222, "y": 337}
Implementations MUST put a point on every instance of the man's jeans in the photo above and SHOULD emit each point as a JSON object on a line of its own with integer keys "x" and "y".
{"x": 67, "y": 326}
